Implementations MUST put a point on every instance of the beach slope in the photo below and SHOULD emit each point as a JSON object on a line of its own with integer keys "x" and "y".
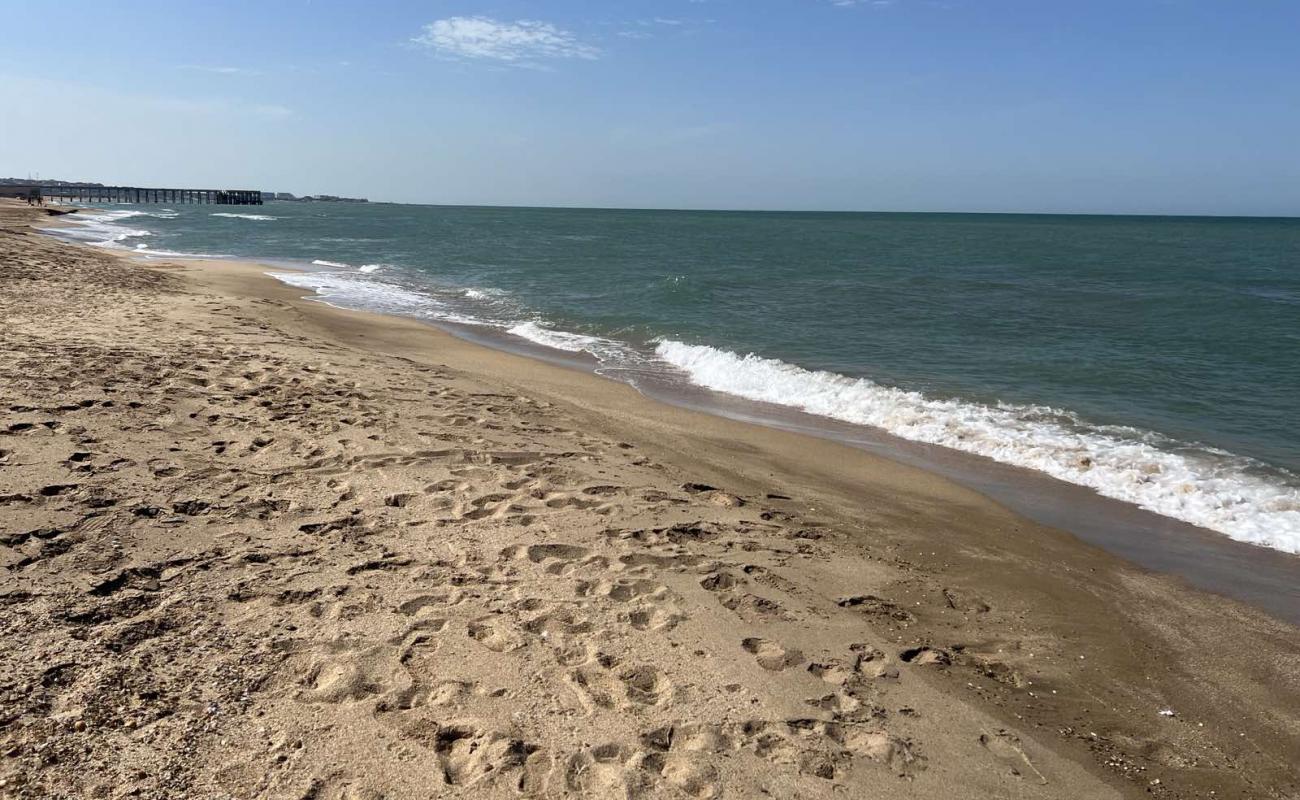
{"x": 255, "y": 547}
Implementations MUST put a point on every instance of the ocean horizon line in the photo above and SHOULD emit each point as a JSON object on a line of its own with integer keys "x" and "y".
{"x": 829, "y": 211}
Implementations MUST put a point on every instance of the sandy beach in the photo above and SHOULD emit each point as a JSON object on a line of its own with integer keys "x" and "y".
{"x": 258, "y": 547}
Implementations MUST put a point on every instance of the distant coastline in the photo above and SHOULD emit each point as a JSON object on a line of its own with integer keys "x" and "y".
{"x": 17, "y": 187}
{"x": 289, "y": 197}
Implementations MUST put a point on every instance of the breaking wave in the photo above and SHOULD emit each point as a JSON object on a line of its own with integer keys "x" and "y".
{"x": 253, "y": 217}
{"x": 1196, "y": 484}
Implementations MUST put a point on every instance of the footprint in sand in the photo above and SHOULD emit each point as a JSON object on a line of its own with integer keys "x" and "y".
{"x": 752, "y": 607}
{"x": 623, "y": 590}
{"x": 679, "y": 561}
{"x": 489, "y": 505}
{"x": 770, "y": 655}
{"x": 691, "y": 773}
{"x": 652, "y": 618}
{"x": 351, "y": 676}
{"x": 561, "y": 500}
{"x": 719, "y": 581}
{"x": 646, "y": 685}
{"x": 468, "y": 755}
{"x": 696, "y": 737}
{"x": 444, "y": 486}
{"x": 1005, "y": 747}
{"x": 683, "y": 756}
{"x": 560, "y": 552}
{"x": 418, "y": 603}
{"x": 494, "y": 635}
{"x": 555, "y": 620}
{"x": 596, "y": 687}
{"x": 875, "y": 606}
{"x": 399, "y": 500}
{"x": 452, "y": 693}
{"x": 571, "y": 651}
{"x": 836, "y": 702}
{"x": 886, "y": 749}
{"x": 555, "y": 557}
{"x": 926, "y": 656}
{"x": 605, "y": 771}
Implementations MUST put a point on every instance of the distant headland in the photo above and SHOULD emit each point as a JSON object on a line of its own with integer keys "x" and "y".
{"x": 311, "y": 198}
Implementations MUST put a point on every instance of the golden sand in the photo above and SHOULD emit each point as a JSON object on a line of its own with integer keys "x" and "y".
{"x": 256, "y": 547}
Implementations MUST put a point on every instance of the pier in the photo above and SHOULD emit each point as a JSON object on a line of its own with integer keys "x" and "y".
{"x": 133, "y": 194}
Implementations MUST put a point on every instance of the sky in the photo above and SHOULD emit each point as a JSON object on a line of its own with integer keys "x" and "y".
{"x": 1072, "y": 106}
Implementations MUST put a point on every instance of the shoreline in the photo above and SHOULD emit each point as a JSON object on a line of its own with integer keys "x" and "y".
{"x": 1258, "y": 575}
{"x": 1263, "y": 577}
{"x": 1019, "y": 660}
{"x": 1187, "y": 480}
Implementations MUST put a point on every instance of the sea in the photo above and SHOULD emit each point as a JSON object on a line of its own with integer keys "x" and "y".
{"x": 1151, "y": 360}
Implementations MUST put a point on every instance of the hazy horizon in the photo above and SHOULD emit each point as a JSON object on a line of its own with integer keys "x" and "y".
{"x": 708, "y": 210}
{"x": 1153, "y": 107}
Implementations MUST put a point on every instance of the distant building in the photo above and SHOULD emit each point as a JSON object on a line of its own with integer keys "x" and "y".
{"x": 311, "y": 198}
{"x": 317, "y": 198}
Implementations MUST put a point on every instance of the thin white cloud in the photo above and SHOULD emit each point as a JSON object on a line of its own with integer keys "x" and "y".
{"x": 219, "y": 70}
{"x": 643, "y": 27}
{"x": 521, "y": 42}
{"x": 271, "y": 111}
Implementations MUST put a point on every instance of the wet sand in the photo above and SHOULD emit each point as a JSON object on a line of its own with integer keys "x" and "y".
{"x": 1258, "y": 576}
{"x": 254, "y": 546}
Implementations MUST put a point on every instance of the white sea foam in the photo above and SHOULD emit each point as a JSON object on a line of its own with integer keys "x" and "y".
{"x": 1205, "y": 487}
{"x": 369, "y": 268}
{"x": 165, "y": 213}
{"x": 560, "y": 340}
{"x": 253, "y": 217}
{"x": 1199, "y": 485}
{"x": 489, "y": 296}
{"x": 355, "y": 293}
{"x": 102, "y": 229}
{"x": 148, "y": 252}
{"x": 612, "y": 355}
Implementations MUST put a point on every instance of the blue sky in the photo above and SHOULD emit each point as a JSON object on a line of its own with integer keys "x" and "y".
{"x": 1139, "y": 106}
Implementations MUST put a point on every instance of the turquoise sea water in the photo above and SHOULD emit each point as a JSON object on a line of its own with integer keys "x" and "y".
{"x": 1154, "y": 360}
